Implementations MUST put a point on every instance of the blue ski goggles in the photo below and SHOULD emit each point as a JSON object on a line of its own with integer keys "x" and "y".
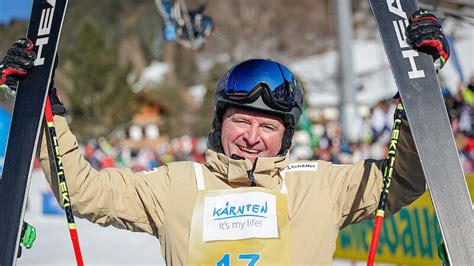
{"x": 277, "y": 85}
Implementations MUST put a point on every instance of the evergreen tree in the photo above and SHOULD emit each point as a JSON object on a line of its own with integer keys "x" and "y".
{"x": 99, "y": 98}
{"x": 185, "y": 67}
{"x": 172, "y": 95}
{"x": 203, "y": 118}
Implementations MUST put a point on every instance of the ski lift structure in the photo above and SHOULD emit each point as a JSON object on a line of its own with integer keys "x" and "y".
{"x": 188, "y": 28}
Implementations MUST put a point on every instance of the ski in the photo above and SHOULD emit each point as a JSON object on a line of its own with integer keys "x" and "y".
{"x": 44, "y": 31}
{"x": 418, "y": 85}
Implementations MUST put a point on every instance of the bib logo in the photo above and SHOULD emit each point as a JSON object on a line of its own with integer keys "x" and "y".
{"x": 399, "y": 26}
{"x": 244, "y": 210}
{"x": 239, "y": 216}
{"x": 151, "y": 170}
{"x": 44, "y": 30}
{"x": 306, "y": 166}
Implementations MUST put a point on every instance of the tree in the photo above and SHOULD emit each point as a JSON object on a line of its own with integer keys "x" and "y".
{"x": 99, "y": 98}
{"x": 185, "y": 67}
{"x": 172, "y": 96}
{"x": 205, "y": 114}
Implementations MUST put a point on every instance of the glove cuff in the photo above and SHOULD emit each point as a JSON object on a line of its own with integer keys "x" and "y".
{"x": 57, "y": 107}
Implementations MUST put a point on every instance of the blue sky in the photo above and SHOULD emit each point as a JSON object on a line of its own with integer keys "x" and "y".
{"x": 14, "y": 9}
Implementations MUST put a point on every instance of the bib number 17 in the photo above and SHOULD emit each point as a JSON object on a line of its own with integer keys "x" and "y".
{"x": 252, "y": 259}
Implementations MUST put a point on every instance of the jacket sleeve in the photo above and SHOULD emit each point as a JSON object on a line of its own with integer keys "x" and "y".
{"x": 111, "y": 196}
{"x": 357, "y": 187}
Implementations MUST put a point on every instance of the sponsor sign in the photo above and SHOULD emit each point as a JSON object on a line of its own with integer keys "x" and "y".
{"x": 410, "y": 237}
{"x": 240, "y": 216}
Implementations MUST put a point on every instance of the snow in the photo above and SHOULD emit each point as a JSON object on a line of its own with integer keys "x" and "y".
{"x": 373, "y": 77}
{"x": 372, "y": 72}
{"x": 198, "y": 92}
{"x": 465, "y": 52}
{"x": 100, "y": 245}
{"x": 151, "y": 76}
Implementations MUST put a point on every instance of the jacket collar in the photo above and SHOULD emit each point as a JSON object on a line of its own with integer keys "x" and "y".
{"x": 235, "y": 172}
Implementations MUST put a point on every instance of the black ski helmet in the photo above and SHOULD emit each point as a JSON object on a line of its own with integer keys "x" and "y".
{"x": 258, "y": 84}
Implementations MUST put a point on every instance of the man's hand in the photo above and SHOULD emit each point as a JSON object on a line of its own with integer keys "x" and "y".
{"x": 16, "y": 64}
{"x": 425, "y": 33}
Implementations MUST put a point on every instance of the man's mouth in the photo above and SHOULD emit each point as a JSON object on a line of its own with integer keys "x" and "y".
{"x": 250, "y": 151}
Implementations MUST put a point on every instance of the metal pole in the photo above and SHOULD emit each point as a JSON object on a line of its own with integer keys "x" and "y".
{"x": 347, "y": 101}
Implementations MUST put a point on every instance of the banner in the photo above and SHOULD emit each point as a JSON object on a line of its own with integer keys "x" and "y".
{"x": 410, "y": 237}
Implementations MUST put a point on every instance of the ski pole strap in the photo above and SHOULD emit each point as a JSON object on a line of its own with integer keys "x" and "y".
{"x": 388, "y": 170}
{"x": 28, "y": 235}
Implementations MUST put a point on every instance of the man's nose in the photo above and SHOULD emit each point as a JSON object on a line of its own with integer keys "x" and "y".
{"x": 252, "y": 135}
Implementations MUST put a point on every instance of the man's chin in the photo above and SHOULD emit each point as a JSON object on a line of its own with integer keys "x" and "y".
{"x": 250, "y": 157}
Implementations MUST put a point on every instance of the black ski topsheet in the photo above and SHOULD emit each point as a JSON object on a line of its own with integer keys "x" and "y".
{"x": 417, "y": 82}
{"x": 44, "y": 31}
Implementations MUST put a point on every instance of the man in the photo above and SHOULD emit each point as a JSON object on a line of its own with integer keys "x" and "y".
{"x": 247, "y": 204}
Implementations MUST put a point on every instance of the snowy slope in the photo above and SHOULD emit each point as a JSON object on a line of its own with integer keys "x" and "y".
{"x": 372, "y": 72}
{"x": 100, "y": 245}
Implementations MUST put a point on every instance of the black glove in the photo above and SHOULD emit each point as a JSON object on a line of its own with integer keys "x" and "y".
{"x": 57, "y": 106}
{"x": 16, "y": 64}
{"x": 425, "y": 33}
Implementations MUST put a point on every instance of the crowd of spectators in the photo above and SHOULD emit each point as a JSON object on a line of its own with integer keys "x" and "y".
{"x": 370, "y": 139}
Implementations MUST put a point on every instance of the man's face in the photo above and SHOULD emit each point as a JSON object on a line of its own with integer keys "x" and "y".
{"x": 251, "y": 134}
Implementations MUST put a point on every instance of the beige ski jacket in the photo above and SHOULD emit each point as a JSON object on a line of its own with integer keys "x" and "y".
{"x": 322, "y": 197}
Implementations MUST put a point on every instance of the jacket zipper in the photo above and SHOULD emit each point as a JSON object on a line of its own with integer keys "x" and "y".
{"x": 251, "y": 176}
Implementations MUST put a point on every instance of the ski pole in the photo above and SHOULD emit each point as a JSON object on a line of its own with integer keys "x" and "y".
{"x": 387, "y": 179}
{"x": 62, "y": 182}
